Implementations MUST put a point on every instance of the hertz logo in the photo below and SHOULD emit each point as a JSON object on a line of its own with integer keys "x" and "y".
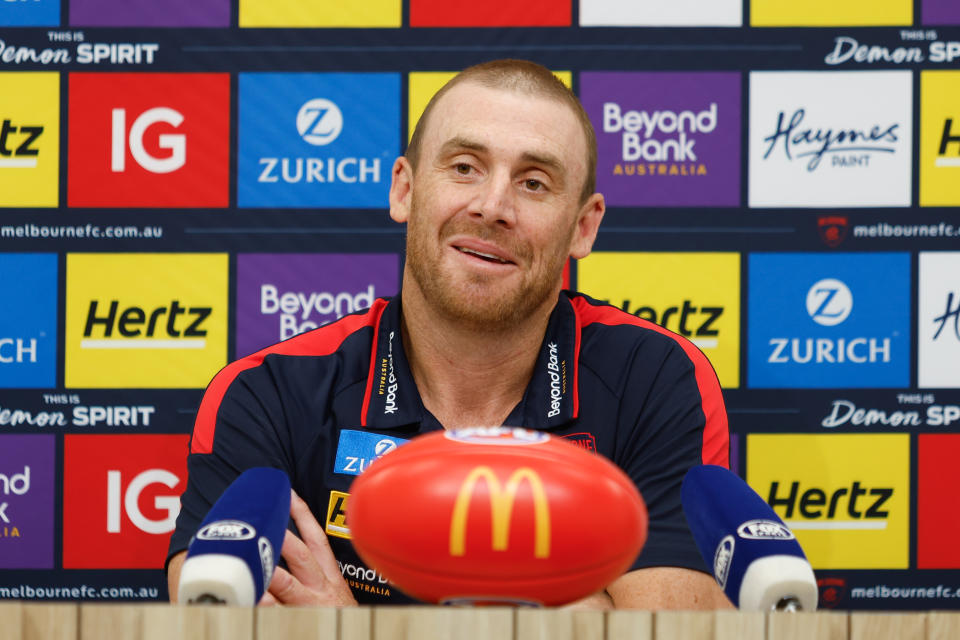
{"x": 22, "y": 155}
{"x": 143, "y": 329}
{"x": 501, "y": 505}
{"x": 851, "y": 507}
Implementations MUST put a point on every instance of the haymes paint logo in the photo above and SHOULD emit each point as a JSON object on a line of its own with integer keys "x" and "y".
{"x": 668, "y": 139}
{"x": 282, "y": 295}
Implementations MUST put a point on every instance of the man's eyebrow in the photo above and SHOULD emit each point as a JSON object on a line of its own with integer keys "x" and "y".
{"x": 458, "y": 143}
{"x": 546, "y": 160}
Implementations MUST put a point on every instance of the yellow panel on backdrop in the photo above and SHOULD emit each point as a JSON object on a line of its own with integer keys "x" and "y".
{"x": 845, "y": 496}
{"x": 423, "y": 84}
{"x": 145, "y": 320}
{"x": 694, "y": 294}
{"x": 319, "y": 13}
{"x": 831, "y": 13}
{"x": 939, "y": 138}
{"x": 29, "y": 139}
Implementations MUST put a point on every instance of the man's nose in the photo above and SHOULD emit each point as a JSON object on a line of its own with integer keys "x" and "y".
{"x": 495, "y": 201}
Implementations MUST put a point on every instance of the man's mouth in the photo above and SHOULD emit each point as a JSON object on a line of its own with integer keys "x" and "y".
{"x": 484, "y": 256}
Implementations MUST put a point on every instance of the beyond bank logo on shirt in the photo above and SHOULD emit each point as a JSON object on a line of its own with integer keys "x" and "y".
{"x": 830, "y": 139}
{"x": 29, "y": 139}
{"x": 671, "y": 291}
{"x": 26, "y": 501}
{"x": 29, "y": 13}
{"x": 821, "y": 321}
{"x": 282, "y": 295}
{"x": 120, "y": 333}
{"x": 149, "y": 13}
{"x": 938, "y": 324}
{"x": 149, "y": 140}
{"x": 323, "y": 140}
{"x": 28, "y": 324}
{"x": 357, "y": 449}
{"x": 665, "y": 139}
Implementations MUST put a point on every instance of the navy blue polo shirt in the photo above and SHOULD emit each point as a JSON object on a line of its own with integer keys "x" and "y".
{"x": 322, "y": 405}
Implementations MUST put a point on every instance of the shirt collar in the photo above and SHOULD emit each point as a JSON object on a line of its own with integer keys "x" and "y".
{"x": 550, "y": 400}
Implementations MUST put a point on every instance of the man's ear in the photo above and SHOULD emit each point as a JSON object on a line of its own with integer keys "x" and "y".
{"x": 401, "y": 189}
{"x": 588, "y": 222}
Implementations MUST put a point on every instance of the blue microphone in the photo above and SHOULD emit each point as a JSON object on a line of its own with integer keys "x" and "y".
{"x": 232, "y": 557}
{"x": 756, "y": 559}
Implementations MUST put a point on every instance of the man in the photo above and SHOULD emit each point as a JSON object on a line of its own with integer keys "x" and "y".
{"x": 497, "y": 191}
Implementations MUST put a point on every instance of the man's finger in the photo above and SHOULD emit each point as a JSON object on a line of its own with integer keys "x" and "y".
{"x": 268, "y": 600}
{"x": 302, "y": 563}
{"x": 286, "y": 589}
{"x": 314, "y": 537}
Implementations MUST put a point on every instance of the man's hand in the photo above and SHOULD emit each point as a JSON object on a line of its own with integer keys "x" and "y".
{"x": 314, "y": 578}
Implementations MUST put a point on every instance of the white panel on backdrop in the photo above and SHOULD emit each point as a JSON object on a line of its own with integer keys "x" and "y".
{"x": 938, "y": 324}
{"x": 830, "y": 139}
{"x": 687, "y": 13}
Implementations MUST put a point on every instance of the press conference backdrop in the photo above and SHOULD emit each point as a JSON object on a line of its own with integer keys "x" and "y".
{"x": 183, "y": 183}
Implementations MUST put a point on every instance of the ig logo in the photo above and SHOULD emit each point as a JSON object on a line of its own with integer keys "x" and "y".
{"x": 829, "y": 302}
{"x": 130, "y": 498}
{"x": 176, "y": 143}
{"x": 319, "y": 121}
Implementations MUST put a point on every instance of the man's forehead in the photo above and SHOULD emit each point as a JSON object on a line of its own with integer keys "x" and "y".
{"x": 470, "y": 109}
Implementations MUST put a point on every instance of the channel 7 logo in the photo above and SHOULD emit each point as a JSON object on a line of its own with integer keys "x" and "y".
{"x": 149, "y": 140}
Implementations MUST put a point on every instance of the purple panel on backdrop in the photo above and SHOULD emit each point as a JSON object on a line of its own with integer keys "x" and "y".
{"x": 150, "y": 13}
{"x": 281, "y": 295}
{"x": 944, "y": 12}
{"x": 735, "y": 454}
{"x": 666, "y": 139}
{"x": 26, "y": 501}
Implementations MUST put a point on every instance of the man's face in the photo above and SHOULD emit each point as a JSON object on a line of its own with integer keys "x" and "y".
{"x": 494, "y": 208}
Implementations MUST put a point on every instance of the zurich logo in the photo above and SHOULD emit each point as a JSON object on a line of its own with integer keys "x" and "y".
{"x": 319, "y": 121}
{"x": 384, "y": 447}
{"x": 829, "y": 302}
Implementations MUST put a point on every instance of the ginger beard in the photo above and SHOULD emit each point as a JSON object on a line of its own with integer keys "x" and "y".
{"x": 482, "y": 302}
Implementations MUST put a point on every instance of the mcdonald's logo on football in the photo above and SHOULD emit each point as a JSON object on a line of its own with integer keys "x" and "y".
{"x": 502, "y": 499}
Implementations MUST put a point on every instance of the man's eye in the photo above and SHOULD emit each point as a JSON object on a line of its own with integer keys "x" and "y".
{"x": 463, "y": 169}
{"x": 533, "y": 185}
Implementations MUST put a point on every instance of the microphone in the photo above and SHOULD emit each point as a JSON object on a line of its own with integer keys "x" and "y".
{"x": 756, "y": 559}
{"x": 231, "y": 558}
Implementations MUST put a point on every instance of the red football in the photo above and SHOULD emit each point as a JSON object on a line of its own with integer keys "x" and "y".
{"x": 496, "y": 515}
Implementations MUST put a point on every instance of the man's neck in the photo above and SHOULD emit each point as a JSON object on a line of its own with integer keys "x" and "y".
{"x": 467, "y": 377}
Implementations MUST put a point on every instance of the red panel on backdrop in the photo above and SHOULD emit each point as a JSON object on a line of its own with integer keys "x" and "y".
{"x": 121, "y": 497}
{"x": 938, "y": 519}
{"x": 149, "y": 140}
{"x": 493, "y": 13}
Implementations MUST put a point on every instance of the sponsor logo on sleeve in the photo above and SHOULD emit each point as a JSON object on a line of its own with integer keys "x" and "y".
{"x": 938, "y": 331}
{"x": 148, "y": 140}
{"x": 846, "y": 497}
{"x": 172, "y": 334}
{"x": 28, "y": 330}
{"x": 336, "y": 524}
{"x": 29, "y": 139}
{"x": 357, "y": 449}
{"x": 820, "y": 321}
{"x": 830, "y": 139}
{"x": 666, "y": 139}
{"x": 26, "y": 501}
{"x": 121, "y": 499}
{"x": 317, "y": 139}
{"x": 282, "y": 295}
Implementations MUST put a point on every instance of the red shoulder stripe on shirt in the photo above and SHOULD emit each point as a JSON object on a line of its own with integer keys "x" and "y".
{"x": 319, "y": 342}
{"x": 716, "y": 435}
